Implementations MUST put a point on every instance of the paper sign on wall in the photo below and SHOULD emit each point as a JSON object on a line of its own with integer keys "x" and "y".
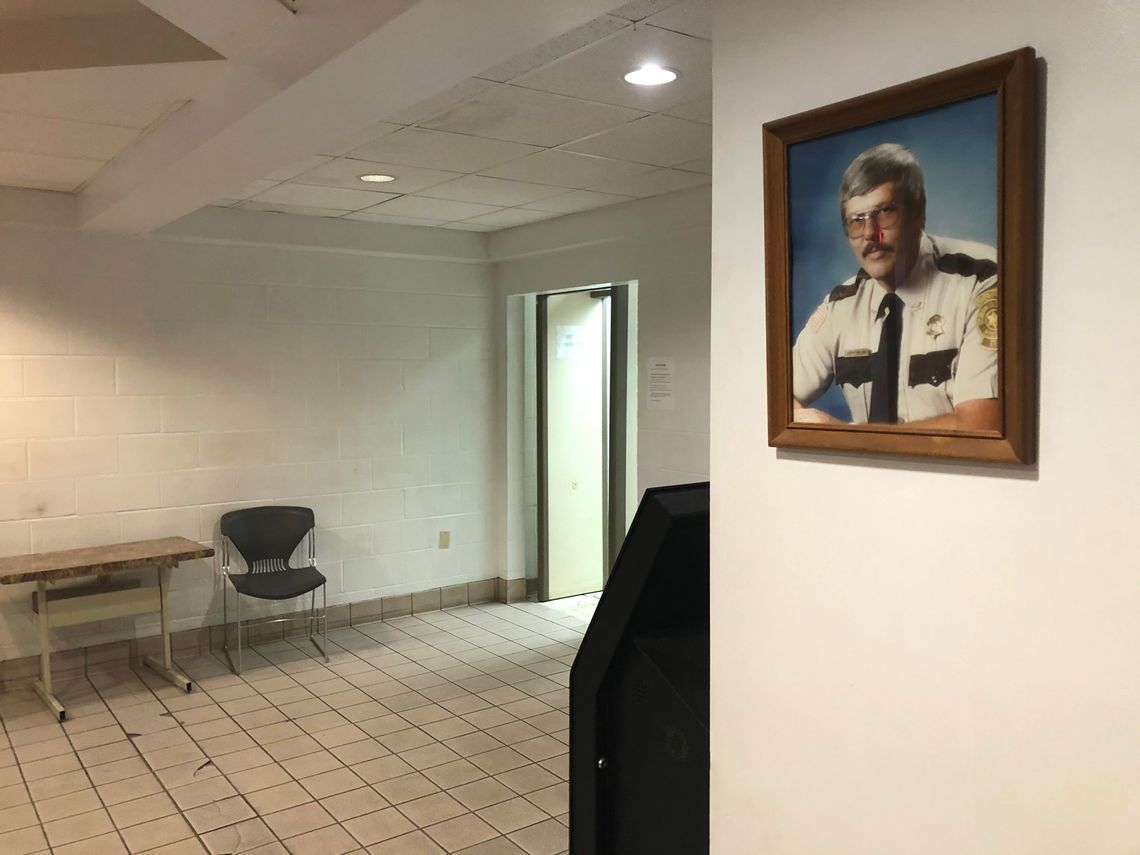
{"x": 568, "y": 341}
{"x": 660, "y": 385}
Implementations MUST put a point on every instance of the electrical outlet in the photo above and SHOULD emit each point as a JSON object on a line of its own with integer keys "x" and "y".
{"x": 573, "y": 485}
{"x": 445, "y": 540}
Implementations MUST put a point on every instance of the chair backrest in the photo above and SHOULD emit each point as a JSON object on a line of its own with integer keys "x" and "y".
{"x": 267, "y": 536}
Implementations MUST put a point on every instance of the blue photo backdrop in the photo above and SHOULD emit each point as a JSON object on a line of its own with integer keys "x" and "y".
{"x": 956, "y": 146}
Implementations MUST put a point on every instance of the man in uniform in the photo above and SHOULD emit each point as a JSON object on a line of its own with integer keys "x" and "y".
{"x": 912, "y": 337}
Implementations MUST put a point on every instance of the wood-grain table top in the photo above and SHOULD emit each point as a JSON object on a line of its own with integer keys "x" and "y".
{"x": 98, "y": 560}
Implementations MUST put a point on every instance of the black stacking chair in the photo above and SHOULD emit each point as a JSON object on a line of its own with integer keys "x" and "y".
{"x": 266, "y": 539}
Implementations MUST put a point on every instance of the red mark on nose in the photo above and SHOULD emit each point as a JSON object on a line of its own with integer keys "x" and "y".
{"x": 879, "y": 236}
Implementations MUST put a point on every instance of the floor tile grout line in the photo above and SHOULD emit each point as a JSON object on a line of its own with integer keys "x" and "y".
{"x": 280, "y": 764}
{"x": 396, "y": 806}
{"x": 415, "y": 650}
{"x": 445, "y": 652}
{"x": 274, "y": 760}
{"x": 410, "y": 723}
{"x": 437, "y": 703}
{"x": 530, "y": 761}
{"x": 167, "y": 790}
{"x": 352, "y": 652}
{"x": 27, "y": 790}
{"x": 86, "y": 772}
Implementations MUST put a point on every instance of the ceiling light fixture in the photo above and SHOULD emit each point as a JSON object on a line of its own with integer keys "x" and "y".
{"x": 375, "y": 178}
{"x": 651, "y": 75}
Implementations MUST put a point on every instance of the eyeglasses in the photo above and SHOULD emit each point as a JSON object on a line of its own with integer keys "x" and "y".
{"x": 884, "y": 216}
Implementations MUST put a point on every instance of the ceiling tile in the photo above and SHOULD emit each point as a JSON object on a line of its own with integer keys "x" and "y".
{"x": 438, "y": 103}
{"x": 40, "y": 172}
{"x": 637, "y": 10}
{"x": 345, "y": 172}
{"x": 313, "y": 196}
{"x": 691, "y": 17}
{"x": 576, "y": 200}
{"x": 302, "y": 210}
{"x": 701, "y": 164}
{"x": 470, "y": 227}
{"x": 490, "y": 191}
{"x": 659, "y": 140}
{"x": 96, "y": 32}
{"x": 696, "y": 110}
{"x": 566, "y": 169}
{"x": 525, "y": 116}
{"x": 63, "y": 137}
{"x": 31, "y": 10}
{"x": 556, "y": 48}
{"x": 653, "y": 183}
{"x": 511, "y": 217}
{"x": 127, "y": 96}
{"x": 253, "y": 188}
{"x": 435, "y": 150}
{"x": 367, "y": 134}
{"x": 432, "y": 209}
{"x": 296, "y": 168}
{"x": 370, "y": 217}
{"x": 596, "y": 73}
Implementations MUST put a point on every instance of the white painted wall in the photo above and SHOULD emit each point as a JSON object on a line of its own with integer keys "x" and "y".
{"x": 663, "y": 244}
{"x": 149, "y": 385}
{"x": 974, "y": 688}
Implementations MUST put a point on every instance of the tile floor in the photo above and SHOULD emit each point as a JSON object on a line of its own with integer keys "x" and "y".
{"x": 443, "y": 732}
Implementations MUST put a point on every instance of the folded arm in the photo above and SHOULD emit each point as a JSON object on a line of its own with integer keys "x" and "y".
{"x": 982, "y": 414}
{"x": 812, "y": 416}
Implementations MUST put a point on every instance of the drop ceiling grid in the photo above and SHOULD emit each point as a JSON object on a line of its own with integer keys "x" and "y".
{"x": 557, "y": 137}
{"x": 61, "y": 154}
{"x": 60, "y": 128}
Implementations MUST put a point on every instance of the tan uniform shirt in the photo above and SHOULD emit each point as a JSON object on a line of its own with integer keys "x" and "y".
{"x": 948, "y": 351}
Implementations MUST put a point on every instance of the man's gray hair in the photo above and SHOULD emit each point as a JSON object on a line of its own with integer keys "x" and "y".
{"x": 878, "y": 165}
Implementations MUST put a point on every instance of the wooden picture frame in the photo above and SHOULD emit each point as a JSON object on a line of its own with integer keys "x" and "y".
{"x": 802, "y": 154}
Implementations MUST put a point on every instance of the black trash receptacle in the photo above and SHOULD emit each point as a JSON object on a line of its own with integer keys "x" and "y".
{"x": 639, "y": 690}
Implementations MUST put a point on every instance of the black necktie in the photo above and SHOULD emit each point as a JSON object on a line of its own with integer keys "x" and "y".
{"x": 885, "y": 364}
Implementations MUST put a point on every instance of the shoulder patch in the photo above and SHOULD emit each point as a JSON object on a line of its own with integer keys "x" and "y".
{"x": 960, "y": 264}
{"x": 842, "y": 292}
{"x": 818, "y": 318}
{"x": 987, "y": 317}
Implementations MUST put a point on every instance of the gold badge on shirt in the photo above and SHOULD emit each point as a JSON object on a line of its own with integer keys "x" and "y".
{"x": 934, "y": 327}
{"x": 987, "y": 303}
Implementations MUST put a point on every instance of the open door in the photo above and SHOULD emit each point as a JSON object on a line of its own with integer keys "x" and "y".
{"x": 581, "y": 343}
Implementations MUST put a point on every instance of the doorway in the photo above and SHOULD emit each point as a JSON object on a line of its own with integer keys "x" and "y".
{"x": 582, "y": 359}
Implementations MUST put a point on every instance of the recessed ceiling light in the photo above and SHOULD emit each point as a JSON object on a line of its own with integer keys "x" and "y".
{"x": 651, "y": 75}
{"x": 377, "y": 179}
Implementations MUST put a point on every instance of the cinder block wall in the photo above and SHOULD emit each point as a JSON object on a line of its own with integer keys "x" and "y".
{"x": 149, "y": 385}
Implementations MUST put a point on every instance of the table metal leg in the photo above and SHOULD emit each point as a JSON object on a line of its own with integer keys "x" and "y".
{"x": 43, "y": 685}
{"x": 165, "y": 666}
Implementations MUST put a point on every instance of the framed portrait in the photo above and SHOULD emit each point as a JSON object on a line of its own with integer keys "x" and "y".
{"x": 901, "y": 234}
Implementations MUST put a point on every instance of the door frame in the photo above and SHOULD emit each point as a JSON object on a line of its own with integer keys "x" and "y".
{"x": 614, "y": 452}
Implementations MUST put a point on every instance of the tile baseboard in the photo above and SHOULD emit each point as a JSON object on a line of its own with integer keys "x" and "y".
{"x": 510, "y": 590}
{"x": 116, "y": 654}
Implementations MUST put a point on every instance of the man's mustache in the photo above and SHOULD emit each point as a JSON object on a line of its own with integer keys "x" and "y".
{"x": 873, "y": 247}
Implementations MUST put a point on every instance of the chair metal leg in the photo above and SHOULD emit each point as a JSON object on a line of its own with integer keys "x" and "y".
{"x": 238, "y": 595}
{"x": 226, "y": 622}
{"x": 236, "y": 668}
{"x": 324, "y": 620}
